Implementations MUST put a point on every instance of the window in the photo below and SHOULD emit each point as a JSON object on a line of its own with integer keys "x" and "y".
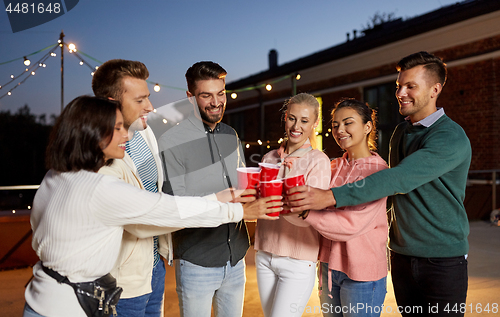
{"x": 383, "y": 99}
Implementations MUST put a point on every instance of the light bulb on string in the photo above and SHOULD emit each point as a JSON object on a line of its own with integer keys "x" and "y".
{"x": 259, "y": 141}
{"x": 234, "y": 95}
{"x": 157, "y": 88}
{"x": 27, "y": 62}
{"x": 12, "y": 76}
{"x": 33, "y": 73}
{"x": 297, "y": 77}
{"x": 247, "y": 146}
{"x": 72, "y": 47}
{"x": 269, "y": 87}
{"x": 9, "y": 93}
{"x": 92, "y": 74}
{"x": 81, "y": 63}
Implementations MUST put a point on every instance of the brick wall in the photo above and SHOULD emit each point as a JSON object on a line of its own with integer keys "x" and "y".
{"x": 470, "y": 97}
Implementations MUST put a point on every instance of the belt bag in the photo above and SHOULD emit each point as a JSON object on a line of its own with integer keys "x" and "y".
{"x": 97, "y": 298}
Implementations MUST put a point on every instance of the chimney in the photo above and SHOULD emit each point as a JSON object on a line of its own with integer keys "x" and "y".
{"x": 273, "y": 59}
{"x": 354, "y": 34}
{"x": 347, "y": 37}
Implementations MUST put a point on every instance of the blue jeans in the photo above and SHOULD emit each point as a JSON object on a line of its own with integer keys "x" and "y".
{"x": 350, "y": 297}
{"x": 29, "y": 312}
{"x": 198, "y": 288}
{"x": 149, "y": 305}
{"x": 429, "y": 286}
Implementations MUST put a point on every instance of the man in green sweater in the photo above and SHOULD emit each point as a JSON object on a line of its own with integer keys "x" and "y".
{"x": 429, "y": 160}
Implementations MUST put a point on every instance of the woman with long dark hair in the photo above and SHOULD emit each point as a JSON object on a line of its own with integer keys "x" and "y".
{"x": 78, "y": 215}
{"x": 353, "y": 251}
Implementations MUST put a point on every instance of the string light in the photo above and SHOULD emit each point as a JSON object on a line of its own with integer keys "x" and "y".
{"x": 72, "y": 48}
{"x": 259, "y": 141}
{"x": 269, "y": 87}
{"x": 165, "y": 121}
{"x": 247, "y": 146}
{"x": 297, "y": 77}
{"x": 234, "y": 95}
{"x": 32, "y": 67}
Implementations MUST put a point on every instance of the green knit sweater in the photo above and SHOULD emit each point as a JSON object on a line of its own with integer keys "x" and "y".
{"x": 427, "y": 178}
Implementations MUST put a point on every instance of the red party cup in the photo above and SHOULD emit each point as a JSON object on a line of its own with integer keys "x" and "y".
{"x": 291, "y": 182}
{"x": 271, "y": 188}
{"x": 248, "y": 177}
{"x": 268, "y": 172}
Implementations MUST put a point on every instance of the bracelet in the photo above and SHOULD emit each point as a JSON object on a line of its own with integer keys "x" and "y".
{"x": 304, "y": 214}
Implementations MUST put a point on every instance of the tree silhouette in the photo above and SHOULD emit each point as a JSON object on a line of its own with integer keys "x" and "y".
{"x": 23, "y": 139}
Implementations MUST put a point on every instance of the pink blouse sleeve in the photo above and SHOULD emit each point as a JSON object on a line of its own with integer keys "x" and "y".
{"x": 342, "y": 224}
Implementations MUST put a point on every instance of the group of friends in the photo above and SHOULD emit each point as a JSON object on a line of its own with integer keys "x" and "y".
{"x": 115, "y": 200}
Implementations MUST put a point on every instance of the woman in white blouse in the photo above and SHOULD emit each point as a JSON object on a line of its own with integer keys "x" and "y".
{"x": 78, "y": 215}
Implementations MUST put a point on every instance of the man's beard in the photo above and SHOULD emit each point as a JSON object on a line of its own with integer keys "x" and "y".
{"x": 214, "y": 118}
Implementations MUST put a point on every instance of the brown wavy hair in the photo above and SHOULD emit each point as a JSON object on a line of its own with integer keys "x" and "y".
{"x": 107, "y": 80}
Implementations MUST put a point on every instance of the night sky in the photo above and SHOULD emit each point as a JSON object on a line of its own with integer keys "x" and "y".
{"x": 169, "y": 36}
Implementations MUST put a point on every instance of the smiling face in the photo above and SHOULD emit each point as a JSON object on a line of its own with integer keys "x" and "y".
{"x": 116, "y": 147}
{"x": 417, "y": 92}
{"x": 300, "y": 120}
{"x": 351, "y": 133}
{"x": 135, "y": 101}
{"x": 210, "y": 96}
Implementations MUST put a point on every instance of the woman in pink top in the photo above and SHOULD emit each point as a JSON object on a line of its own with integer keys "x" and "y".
{"x": 287, "y": 249}
{"x": 353, "y": 261}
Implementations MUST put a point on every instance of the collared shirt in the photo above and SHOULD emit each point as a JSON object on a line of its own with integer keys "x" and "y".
{"x": 430, "y": 119}
{"x": 199, "y": 161}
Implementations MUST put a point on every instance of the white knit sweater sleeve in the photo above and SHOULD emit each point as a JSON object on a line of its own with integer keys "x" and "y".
{"x": 117, "y": 203}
